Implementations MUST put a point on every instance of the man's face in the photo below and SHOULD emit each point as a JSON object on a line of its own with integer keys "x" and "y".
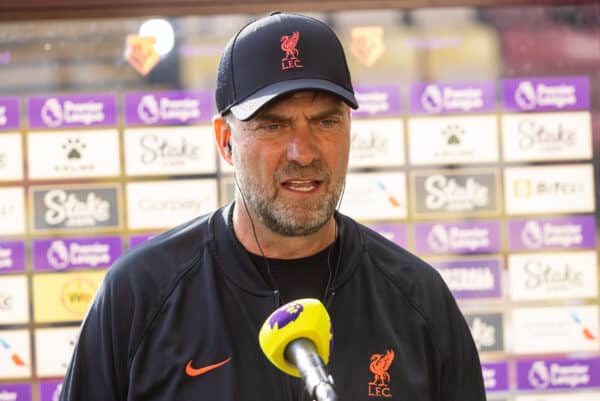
{"x": 291, "y": 161}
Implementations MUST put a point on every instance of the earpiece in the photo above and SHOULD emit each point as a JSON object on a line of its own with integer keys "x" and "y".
{"x": 228, "y": 147}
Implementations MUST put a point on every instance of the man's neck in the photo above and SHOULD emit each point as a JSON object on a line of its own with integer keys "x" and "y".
{"x": 275, "y": 245}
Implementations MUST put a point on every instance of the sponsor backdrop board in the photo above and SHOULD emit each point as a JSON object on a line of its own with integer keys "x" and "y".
{"x": 14, "y": 299}
{"x": 384, "y": 192}
{"x": 63, "y": 297}
{"x": 492, "y": 182}
{"x": 556, "y": 189}
{"x": 169, "y": 150}
{"x": 556, "y": 329}
{"x": 579, "y": 396}
{"x": 75, "y": 208}
{"x": 16, "y": 391}
{"x": 163, "y": 204}
{"x": 73, "y": 154}
{"x": 377, "y": 143}
{"x": 453, "y": 140}
{"x": 11, "y": 157}
{"x": 15, "y": 358}
{"x": 55, "y": 347}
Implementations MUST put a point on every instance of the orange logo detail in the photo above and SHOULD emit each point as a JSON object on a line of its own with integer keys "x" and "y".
{"x": 288, "y": 45}
{"x": 367, "y": 44}
{"x": 190, "y": 371}
{"x": 380, "y": 363}
{"x": 141, "y": 54}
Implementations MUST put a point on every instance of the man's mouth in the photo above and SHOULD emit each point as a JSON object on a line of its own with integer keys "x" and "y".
{"x": 302, "y": 185}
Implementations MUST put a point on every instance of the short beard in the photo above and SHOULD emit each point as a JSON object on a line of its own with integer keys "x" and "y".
{"x": 287, "y": 219}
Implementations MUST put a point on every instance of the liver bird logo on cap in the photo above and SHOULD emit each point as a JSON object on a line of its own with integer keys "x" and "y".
{"x": 289, "y": 45}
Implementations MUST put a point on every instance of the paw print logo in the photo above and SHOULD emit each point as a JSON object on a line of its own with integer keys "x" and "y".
{"x": 453, "y": 134}
{"x": 74, "y": 147}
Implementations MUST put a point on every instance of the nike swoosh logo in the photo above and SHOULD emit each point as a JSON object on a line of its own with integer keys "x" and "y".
{"x": 190, "y": 371}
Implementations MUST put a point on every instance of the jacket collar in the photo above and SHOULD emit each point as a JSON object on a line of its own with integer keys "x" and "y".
{"x": 236, "y": 264}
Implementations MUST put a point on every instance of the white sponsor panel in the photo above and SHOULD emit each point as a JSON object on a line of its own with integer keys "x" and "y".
{"x": 14, "y": 300}
{"x": 11, "y": 157}
{"x": 54, "y": 348}
{"x": 165, "y": 204}
{"x": 73, "y": 154}
{"x": 549, "y": 189}
{"x": 15, "y": 354}
{"x": 375, "y": 196}
{"x": 578, "y": 396}
{"x": 170, "y": 150}
{"x": 12, "y": 210}
{"x": 553, "y": 275}
{"x": 547, "y": 136}
{"x": 377, "y": 143}
{"x": 556, "y": 329}
{"x": 450, "y": 140}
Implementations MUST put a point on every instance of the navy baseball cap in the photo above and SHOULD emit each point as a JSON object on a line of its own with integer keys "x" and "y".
{"x": 276, "y": 55}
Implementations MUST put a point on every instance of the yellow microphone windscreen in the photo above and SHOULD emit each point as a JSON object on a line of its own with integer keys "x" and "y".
{"x": 303, "y": 318}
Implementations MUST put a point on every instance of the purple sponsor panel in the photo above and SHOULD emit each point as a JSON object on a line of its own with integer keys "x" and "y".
{"x": 378, "y": 100}
{"x": 452, "y": 98}
{"x": 12, "y": 256}
{"x": 558, "y": 373}
{"x": 65, "y": 111}
{"x": 472, "y": 278}
{"x": 75, "y": 253}
{"x": 138, "y": 239}
{"x": 10, "y": 117}
{"x": 463, "y": 237}
{"x": 395, "y": 232}
{"x": 16, "y": 392}
{"x": 495, "y": 376}
{"x": 546, "y": 94}
{"x": 572, "y": 232}
{"x": 168, "y": 108}
{"x": 50, "y": 390}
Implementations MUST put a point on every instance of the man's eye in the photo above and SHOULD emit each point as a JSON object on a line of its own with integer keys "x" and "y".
{"x": 328, "y": 122}
{"x": 271, "y": 126}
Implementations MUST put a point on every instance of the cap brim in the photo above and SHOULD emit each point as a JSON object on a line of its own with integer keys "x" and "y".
{"x": 251, "y": 105}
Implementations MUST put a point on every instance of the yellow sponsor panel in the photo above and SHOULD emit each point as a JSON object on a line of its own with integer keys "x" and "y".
{"x": 63, "y": 297}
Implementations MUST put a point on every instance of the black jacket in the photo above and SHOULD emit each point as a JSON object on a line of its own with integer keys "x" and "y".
{"x": 192, "y": 294}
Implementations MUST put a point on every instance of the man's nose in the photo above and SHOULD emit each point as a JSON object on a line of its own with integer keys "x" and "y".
{"x": 302, "y": 146}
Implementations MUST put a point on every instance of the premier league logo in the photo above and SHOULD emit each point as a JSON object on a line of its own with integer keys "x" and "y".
{"x": 52, "y": 112}
{"x": 148, "y": 109}
{"x": 525, "y": 96}
{"x": 284, "y": 316}
{"x": 432, "y": 99}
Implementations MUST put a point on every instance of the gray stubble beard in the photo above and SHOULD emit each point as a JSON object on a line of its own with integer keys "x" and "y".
{"x": 282, "y": 218}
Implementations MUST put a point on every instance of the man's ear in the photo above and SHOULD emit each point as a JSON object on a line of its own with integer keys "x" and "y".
{"x": 223, "y": 138}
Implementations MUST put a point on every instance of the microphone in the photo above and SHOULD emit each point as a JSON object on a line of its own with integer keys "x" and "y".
{"x": 297, "y": 338}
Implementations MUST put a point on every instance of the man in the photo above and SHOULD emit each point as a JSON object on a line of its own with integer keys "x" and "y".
{"x": 178, "y": 318}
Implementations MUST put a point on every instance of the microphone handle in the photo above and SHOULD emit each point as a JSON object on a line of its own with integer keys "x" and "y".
{"x": 319, "y": 384}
